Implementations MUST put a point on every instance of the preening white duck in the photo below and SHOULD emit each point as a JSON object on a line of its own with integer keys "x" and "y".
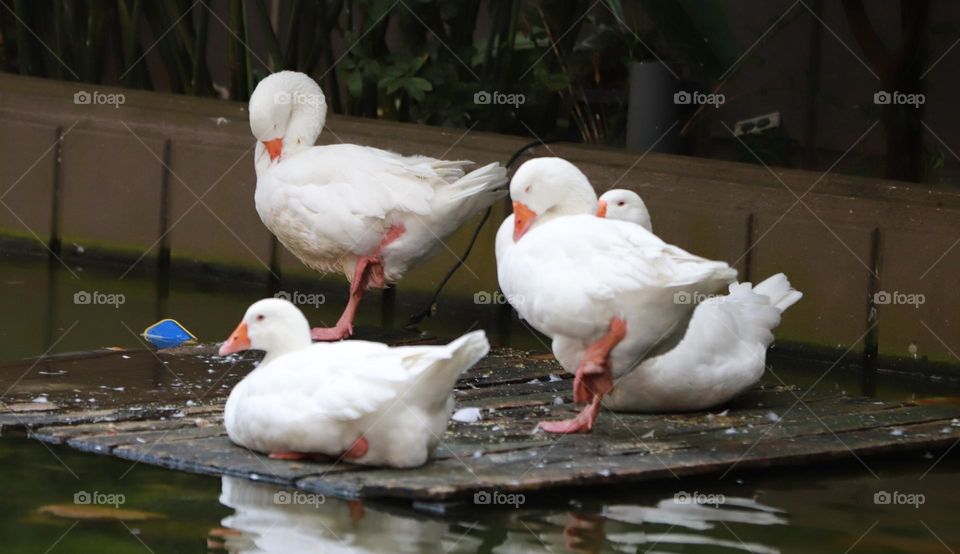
{"x": 368, "y": 213}
{"x": 363, "y": 401}
{"x": 624, "y": 205}
{"x": 609, "y": 287}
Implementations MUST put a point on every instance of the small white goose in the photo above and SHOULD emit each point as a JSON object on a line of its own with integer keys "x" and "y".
{"x": 368, "y": 213}
{"x": 624, "y": 205}
{"x": 723, "y": 351}
{"x": 363, "y": 401}
{"x": 608, "y": 287}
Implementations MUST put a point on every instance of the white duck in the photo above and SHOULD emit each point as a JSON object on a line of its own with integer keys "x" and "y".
{"x": 609, "y": 287}
{"x": 368, "y": 213}
{"x": 722, "y": 353}
{"x": 363, "y": 401}
{"x": 624, "y": 205}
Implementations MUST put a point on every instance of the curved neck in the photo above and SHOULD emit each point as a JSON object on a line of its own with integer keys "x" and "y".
{"x": 286, "y": 344}
{"x": 308, "y": 114}
{"x": 574, "y": 204}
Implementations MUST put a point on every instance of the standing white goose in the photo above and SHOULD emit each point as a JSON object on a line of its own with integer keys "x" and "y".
{"x": 368, "y": 213}
{"x": 363, "y": 401}
{"x": 608, "y": 287}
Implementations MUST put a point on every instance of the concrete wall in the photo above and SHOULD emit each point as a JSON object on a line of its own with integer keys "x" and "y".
{"x": 117, "y": 177}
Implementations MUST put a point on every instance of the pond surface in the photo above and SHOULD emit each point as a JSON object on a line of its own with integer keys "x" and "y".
{"x": 139, "y": 508}
{"x": 788, "y": 511}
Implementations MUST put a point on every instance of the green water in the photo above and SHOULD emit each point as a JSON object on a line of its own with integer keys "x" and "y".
{"x": 788, "y": 511}
{"x": 830, "y": 509}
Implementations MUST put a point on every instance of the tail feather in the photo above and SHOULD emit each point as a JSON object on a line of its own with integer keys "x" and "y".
{"x": 486, "y": 183}
{"x": 443, "y": 365}
{"x": 450, "y": 170}
{"x": 778, "y": 289}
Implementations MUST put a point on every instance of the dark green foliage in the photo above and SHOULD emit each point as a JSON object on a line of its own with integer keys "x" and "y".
{"x": 411, "y": 60}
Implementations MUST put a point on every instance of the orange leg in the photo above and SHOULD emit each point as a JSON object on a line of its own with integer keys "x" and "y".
{"x": 582, "y": 423}
{"x": 369, "y": 272}
{"x": 593, "y": 374}
{"x": 593, "y": 380}
{"x": 356, "y": 511}
{"x": 357, "y": 450}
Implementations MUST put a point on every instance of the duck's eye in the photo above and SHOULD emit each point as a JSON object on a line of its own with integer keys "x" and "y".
{"x": 527, "y": 190}
{"x": 260, "y": 317}
{"x": 621, "y": 203}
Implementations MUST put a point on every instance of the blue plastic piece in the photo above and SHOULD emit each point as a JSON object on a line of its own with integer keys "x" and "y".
{"x": 168, "y": 333}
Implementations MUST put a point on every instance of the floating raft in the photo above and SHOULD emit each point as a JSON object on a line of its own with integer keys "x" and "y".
{"x": 166, "y": 408}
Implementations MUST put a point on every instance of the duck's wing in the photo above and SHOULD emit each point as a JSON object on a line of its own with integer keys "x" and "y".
{"x": 570, "y": 275}
{"x": 346, "y": 197}
{"x": 604, "y": 259}
{"x": 342, "y": 381}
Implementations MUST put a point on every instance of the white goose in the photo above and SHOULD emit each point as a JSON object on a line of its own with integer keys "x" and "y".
{"x": 364, "y": 401}
{"x": 608, "y": 287}
{"x": 723, "y": 350}
{"x": 624, "y": 205}
{"x": 368, "y": 213}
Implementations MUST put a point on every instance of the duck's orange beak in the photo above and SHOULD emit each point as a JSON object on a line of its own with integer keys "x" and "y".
{"x": 274, "y": 147}
{"x": 602, "y": 208}
{"x": 523, "y": 218}
{"x": 238, "y": 341}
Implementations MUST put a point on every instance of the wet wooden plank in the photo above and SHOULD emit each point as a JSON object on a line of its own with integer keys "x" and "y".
{"x": 160, "y": 418}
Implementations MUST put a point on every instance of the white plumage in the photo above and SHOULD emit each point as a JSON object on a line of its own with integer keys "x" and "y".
{"x": 722, "y": 353}
{"x": 344, "y": 207}
{"x": 569, "y": 275}
{"x": 625, "y": 205}
{"x": 322, "y": 398}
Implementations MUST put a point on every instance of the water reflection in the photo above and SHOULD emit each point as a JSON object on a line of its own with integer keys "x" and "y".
{"x": 272, "y": 520}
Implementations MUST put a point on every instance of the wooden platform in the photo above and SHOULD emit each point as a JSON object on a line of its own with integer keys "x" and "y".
{"x": 165, "y": 409}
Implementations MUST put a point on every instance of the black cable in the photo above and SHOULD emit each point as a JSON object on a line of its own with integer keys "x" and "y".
{"x": 430, "y": 308}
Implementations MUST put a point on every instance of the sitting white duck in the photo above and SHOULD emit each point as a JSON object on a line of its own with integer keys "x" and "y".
{"x": 364, "y": 402}
{"x": 368, "y": 213}
{"x": 608, "y": 287}
{"x": 624, "y": 205}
